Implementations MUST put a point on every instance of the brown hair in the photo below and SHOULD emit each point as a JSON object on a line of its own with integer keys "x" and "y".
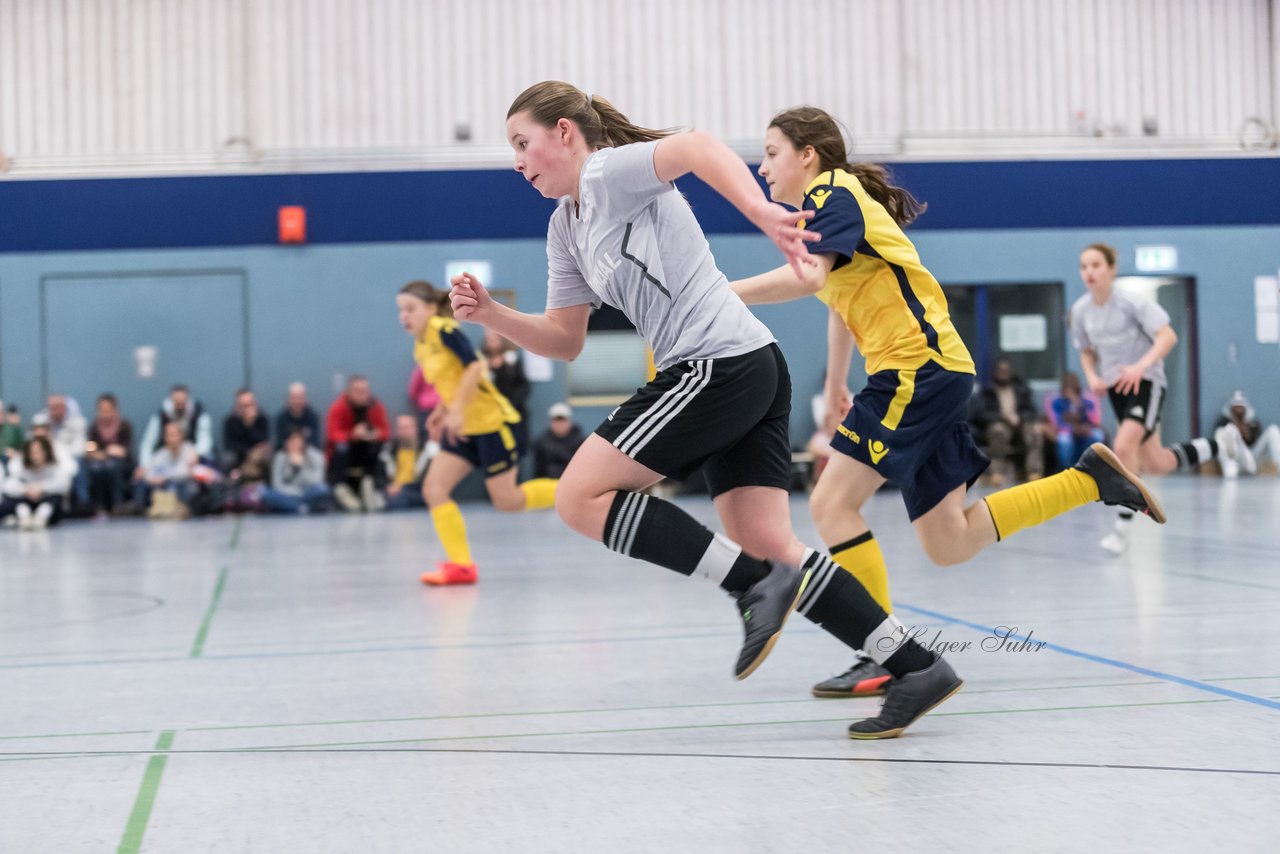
{"x": 45, "y": 445}
{"x": 1108, "y": 251}
{"x": 806, "y": 126}
{"x": 430, "y": 294}
{"x": 601, "y": 123}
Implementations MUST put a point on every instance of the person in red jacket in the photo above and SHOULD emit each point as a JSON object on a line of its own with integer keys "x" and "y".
{"x": 356, "y": 429}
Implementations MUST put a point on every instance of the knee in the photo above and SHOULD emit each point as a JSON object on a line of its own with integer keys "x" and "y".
{"x": 435, "y": 495}
{"x": 508, "y": 500}
{"x": 943, "y": 553}
{"x": 825, "y": 506}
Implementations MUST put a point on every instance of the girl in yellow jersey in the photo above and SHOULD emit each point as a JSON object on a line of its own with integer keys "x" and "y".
{"x": 908, "y": 423}
{"x": 476, "y": 427}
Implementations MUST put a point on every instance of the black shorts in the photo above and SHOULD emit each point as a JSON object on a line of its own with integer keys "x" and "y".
{"x": 727, "y": 416}
{"x": 910, "y": 426}
{"x": 1143, "y": 405}
{"x": 494, "y": 452}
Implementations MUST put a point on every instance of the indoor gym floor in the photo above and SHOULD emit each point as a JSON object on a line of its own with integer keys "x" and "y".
{"x": 282, "y": 685}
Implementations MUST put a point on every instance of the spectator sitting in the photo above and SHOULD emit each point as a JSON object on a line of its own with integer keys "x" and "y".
{"x": 297, "y": 415}
{"x": 355, "y": 431}
{"x": 67, "y": 429}
{"x": 246, "y": 440}
{"x": 557, "y": 445}
{"x": 506, "y": 369}
{"x": 297, "y": 478}
{"x": 108, "y": 459}
{"x": 11, "y": 434}
{"x": 406, "y": 465}
{"x": 197, "y": 426}
{"x": 169, "y": 475}
{"x": 70, "y": 468}
{"x": 1242, "y": 438}
{"x": 35, "y": 487}
{"x": 1006, "y": 421}
{"x": 1076, "y": 420}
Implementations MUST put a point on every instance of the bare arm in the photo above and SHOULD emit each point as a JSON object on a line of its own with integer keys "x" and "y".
{"x": 839, "y": 355}
{"x": 557, "y": 333}
{"x": 467, "y": 386}
{"x": 1164, "y": 342}
{"x": 710, "y": 159}
{"x": 1131, "y": 375}
{"x": 781, "y": 284}
{"x": 1089, "y": 361}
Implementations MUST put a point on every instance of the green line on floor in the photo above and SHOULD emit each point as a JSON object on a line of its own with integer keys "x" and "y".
{"x": 137, "y": 826}
{"x": 197, "y": 648}
{"x": 235, "y": 534}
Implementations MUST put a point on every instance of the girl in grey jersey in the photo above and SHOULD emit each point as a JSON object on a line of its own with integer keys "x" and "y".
{"x": 1123, "y": 341}
{"x": 623, "y": 235}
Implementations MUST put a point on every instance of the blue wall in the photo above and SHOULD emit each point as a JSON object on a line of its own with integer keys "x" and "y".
{"x": 327, "y": 308}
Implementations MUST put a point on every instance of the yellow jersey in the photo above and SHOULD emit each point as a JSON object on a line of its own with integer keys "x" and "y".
{"x": 444, "y": 353}
{"x": 892, "y": 304}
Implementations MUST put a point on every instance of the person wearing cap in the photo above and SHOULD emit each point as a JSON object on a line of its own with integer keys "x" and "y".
{"x": 557, "y": 444}
{"x": 1243, "y": 439}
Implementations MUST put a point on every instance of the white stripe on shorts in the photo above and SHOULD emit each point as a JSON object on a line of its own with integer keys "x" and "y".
{"x": 1153, "y": 406}
{"x": 627, "y": 440}
{"x": 638, "y": 443}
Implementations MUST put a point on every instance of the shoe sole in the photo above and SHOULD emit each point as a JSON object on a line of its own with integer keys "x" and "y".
{"x": 875, "y": 690}
{"x": 768, "y": 645}
{"x": 445, "y": 583}
{"x": 1154, "y": 510}
{"x": 894, "y": 733}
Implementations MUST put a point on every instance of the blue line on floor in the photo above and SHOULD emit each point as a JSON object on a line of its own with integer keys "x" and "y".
{"x": 1123, "y": 665}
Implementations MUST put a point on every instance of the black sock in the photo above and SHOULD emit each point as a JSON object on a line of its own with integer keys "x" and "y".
{"x": 657, "y": 531}
{"x": 838, "y": 602}
{"x": 1191, "y": 454}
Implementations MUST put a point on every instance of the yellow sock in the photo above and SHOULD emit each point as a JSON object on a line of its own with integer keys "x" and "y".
{"x": 451, "y": 528}
{"x": 862, "y": 558}
{"x": 539, "y": 493}
{"x": 1032, "y": 503}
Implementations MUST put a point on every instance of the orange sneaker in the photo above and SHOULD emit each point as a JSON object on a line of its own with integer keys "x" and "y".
{"x": 451, "y": 573}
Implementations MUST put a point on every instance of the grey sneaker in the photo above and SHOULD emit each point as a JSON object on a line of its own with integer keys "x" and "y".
{"x": 864, "y": 679}
{"x": 1116, "y": 484}
{"x": 907, "y": 699}
{"x": 765, "y": 607}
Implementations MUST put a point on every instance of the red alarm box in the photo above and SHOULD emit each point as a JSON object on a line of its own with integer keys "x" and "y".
{"x": 293, "y": 224}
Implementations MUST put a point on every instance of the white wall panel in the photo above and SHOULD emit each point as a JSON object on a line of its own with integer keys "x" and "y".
{"x": 174, "y": 84}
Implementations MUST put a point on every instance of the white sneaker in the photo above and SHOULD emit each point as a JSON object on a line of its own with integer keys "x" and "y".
{"x": 372, "y": 498}
{"x": 41, "y": 518}
{"x": 23, "y": 512}
{"x": 1115, "y": 542}
{"x": 1230, "y": 468}
{"x": 346, "y": 498}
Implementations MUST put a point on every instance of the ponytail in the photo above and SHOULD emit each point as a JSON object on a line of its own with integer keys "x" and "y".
{"x": 601, "y": 123}
{"x": 810, "y": 126}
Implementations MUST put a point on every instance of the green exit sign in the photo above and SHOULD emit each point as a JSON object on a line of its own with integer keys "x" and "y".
{"x": 1156, "y": 259}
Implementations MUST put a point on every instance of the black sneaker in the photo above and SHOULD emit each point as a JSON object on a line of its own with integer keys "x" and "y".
{"x": 765, "y": 607}
{"x": 1116, "y": 484}
{"x": 864, "y": 679}
{"x": 907, "y": 699}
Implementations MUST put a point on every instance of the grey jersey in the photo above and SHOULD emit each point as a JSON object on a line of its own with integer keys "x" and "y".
{"x": 636, "y": 246}
{"x": 1120, "y": 332}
